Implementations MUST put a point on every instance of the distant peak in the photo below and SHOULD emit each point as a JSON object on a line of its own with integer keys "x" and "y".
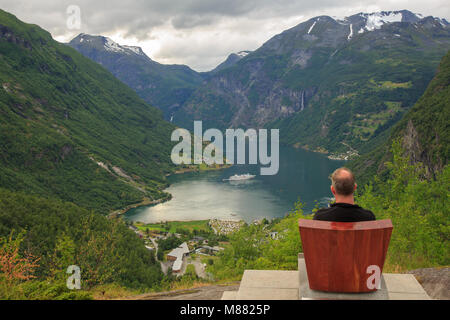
{"x": 242, "y": 54}
{"x": 377, "y": 19}
{"x": 135, "y": 49}
{"x": 107, "y": 43}
{"x": 110, "y": 45}
{"x": 80, "y": 38}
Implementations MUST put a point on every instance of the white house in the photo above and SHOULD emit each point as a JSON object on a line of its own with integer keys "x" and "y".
{"x": 177, "y": 255}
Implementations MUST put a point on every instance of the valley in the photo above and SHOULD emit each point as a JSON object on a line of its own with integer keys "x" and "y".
{"x": 326, "y": 90}
{"x": 86, "y": 176}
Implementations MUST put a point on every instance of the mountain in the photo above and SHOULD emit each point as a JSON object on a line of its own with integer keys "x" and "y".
{"x": 164, "y": 86}
{"x": 424, "y": 131}
{"x": 231, "y": 60}
{"x": 329, "y": 85}
{"x": 70, "y": 130}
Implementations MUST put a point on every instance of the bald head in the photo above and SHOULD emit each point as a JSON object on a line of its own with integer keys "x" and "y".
{"x": 343, "y": 181}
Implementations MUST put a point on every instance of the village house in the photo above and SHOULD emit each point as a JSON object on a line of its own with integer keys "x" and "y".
{"x": 177, "y": 255}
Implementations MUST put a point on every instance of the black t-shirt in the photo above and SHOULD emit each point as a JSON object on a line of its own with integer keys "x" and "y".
{"x": 344, "y": 212}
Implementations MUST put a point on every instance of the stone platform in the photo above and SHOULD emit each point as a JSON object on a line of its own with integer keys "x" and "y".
{"x": 293, "y": 285}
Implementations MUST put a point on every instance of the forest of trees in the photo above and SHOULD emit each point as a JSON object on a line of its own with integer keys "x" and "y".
{"x": 42, "y": 237}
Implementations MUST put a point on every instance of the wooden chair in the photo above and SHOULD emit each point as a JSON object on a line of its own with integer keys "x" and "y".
{"x": 340, "y": 256}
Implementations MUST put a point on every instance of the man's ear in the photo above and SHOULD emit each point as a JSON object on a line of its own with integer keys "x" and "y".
{"x": 356, "y": 186}
{"x": 332, "y": 190}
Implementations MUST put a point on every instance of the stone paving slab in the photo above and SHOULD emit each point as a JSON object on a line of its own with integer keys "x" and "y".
{"x": 408, "y": 296}
{"x": 229, "y": 295}
{"x": 270, "y": 279}
{"x": 403, "y": 283}
{"x": 255, "y": 293}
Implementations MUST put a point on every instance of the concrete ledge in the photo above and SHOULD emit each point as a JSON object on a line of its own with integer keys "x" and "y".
{"x": 253, "y": 293}
{"x": 229, "y": 295}
{"x": 408, "y": 296}
{"x": 268, "y": 285}
{"x": 404, "y": 283}
{"x": 270, "y": 279}
{"x": 293, "y": 285}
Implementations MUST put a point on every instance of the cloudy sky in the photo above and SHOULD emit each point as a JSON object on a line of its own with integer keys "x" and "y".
{"x": 199, "y": 33}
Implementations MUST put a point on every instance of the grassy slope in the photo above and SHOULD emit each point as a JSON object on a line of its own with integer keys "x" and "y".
{"x": 58, "y": 110}
{"x": 163, "y": 86}
{"x": 174, "y": 225}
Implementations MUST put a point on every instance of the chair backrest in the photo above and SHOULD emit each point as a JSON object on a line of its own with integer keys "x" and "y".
{"x": 341, "y": 256}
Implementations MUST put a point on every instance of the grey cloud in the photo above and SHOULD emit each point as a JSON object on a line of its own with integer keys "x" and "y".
{"x": 141, "y": 16}
{"x": 194, "y": 19}
{"x": 134, "y": 16}
{"x": 191, "y": 21}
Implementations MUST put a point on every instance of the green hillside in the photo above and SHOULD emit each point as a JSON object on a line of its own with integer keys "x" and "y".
{"x": 425, "y": 131}
{"x": 164, "y": 86}
{"x": 70, "y": 130}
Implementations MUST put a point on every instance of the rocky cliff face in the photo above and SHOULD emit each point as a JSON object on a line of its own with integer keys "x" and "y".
{"x": 425, "y": 137}
{"x": 417, "y": 153}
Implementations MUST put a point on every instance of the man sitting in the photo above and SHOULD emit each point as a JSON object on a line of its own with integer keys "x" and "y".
{"x": 343, "y": 186}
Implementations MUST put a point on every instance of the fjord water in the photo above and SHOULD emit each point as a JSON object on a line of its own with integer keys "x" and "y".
{"x": 196, "y": 196}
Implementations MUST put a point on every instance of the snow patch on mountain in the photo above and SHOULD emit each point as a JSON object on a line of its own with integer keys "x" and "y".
{"x": 341, "y": 20}
{"x": 443, "y": 22}
{"x": 136, "y": 50}
{"x": 351, "y": 32}
{"x": 112, "y": 46}
{"x": 312, "y": 26}
{"x": 376, "y": 20}
{"x": 242, "y": 54}
{"x": 84, "y": 37}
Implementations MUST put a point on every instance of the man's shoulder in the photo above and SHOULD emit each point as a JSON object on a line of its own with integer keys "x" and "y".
{"x": 322, "y": 213}
{"x": 367, "y": 213}
{"x": 344, "y": 213}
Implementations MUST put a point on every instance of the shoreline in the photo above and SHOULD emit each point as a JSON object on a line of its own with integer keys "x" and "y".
{"x": 148, "y": 202}
{"x": 218, "y": 226}
{"x": 198, "y": 168}
{"x": 144, "y": 202}
{"x": 343, "y": 156}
